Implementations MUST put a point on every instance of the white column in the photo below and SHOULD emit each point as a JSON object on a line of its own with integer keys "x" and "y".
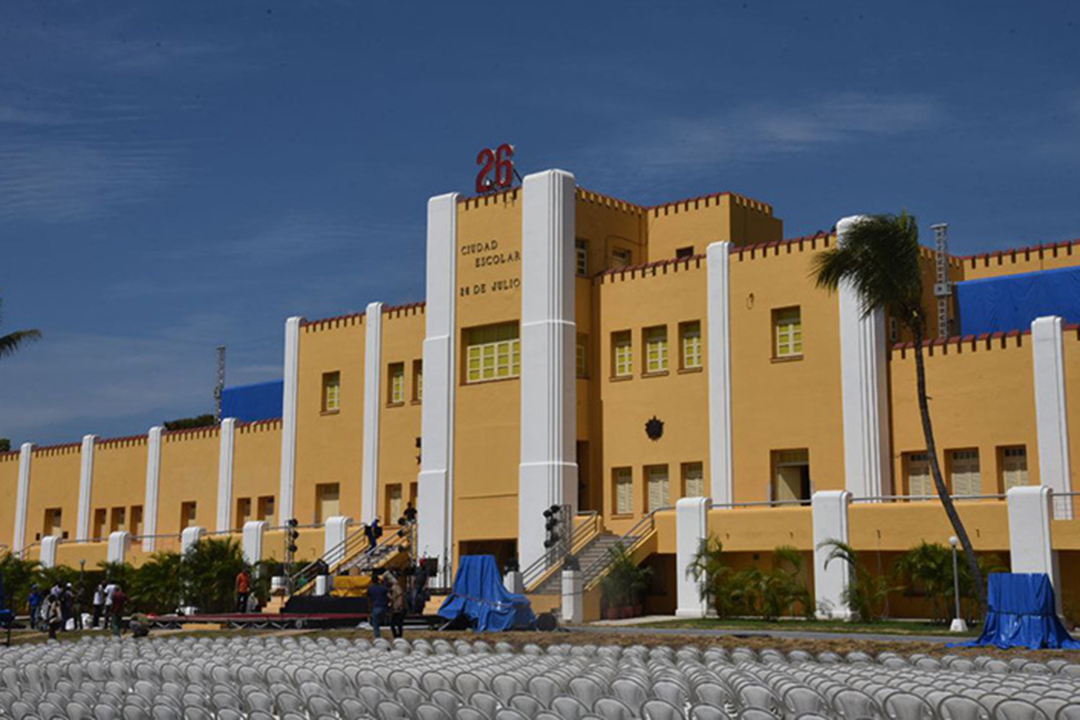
{"x": 436, "y": 482}
{"x": 153, "y": 478}
{"x": 48, "y": 551}
{"x": 573, "y": 596}
{"x": 691, "y": 531}
{"x": 119, "y": 545}
{"x": 225, "y": 474}
{"x": 369, "y": 480}
{"x": 252, "y": 542}
{"x": 831, "y": 578}
{"x": 718, "y": 317}
{"x": 86, "y": 487}
{"x": 190, "y": 536}
{"x": 864, "y": 390}
{"x": 335, "y": 533}
{"x": 1051, "y": 409}
{"x": 287, "y": 489}
{"x": 22, "y": 498}
{"x": 548, "y": 471}
{"x": 1030, "y": 546}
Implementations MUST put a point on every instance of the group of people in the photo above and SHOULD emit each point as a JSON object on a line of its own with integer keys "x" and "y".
{"x": 51, "y": 610}
{"x": 387, "y": 601}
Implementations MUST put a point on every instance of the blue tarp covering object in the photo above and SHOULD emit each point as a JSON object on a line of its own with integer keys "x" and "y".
{"x": 248, "y": 403}
{"x": 479, "y": 595}
{"x": 1014, "y": 302}
{"x": 1022, "y": 613}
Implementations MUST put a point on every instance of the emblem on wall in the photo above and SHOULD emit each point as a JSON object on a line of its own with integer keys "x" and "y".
{"x": 654, "y": 428}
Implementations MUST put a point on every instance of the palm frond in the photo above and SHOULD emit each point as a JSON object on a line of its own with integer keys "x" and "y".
{"x": 13, "y": 341}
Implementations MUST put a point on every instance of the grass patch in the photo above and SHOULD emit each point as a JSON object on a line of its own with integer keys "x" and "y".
{"x": 885, "y": 627}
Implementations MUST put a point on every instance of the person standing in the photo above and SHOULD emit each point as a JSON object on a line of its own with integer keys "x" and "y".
{"x": 410, "y": 513}
{"x": 398, "y": 607}
{"x": 378, "y": 602}
{"x": 243, "y": 590}
{"x": 52, "y": 613}
{"x": 36, "y": 599}
{"x": 116, "y": 609}
{"x": 99, "y": 603}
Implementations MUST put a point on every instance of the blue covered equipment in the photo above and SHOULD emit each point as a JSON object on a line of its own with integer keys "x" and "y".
{"x": 480, "y": 597}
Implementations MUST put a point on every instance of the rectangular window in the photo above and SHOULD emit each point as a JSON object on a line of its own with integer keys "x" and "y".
{"x": 693, "y": 480}
{"x": 395, "y": 504}
{"x": 690, "y": 340}
{"x": 1014, "y": 471}
{"x": 327, "y": 501}
{"x": 54, "y": 522}
{"x": 964, "y": 472}
{"x": 492, "y": 353}
{"x": 656, "y": 349}
{"x": 581, "y": 257}
{"x": 622, "y": 354}
{"x": 188, "y": 514}
{"x": 119, "y": 519}
{"x": 100, "y": 516}
{"x": 620, "y": 258}
{"x": 623, "y": 479}
{"x": 136, "y": 523}
{"x": 684, "y": 253}
{"x": 418, "y": 380}
{"x": 397, "y": 383}
{"x": 581, "y": 358}
{"x": 659, "y": 487}
{"x": 265, "y": 509}
{"x": 787, "y": 325}
{"x": 791, "y": 475}
{"x": 920, "y": 483}
{"x": 331, "y": 392}
{"x": 243, "y": 512}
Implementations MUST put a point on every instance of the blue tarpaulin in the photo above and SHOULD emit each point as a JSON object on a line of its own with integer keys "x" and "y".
{"x": 249, "y": 403}
{"x": 1014, "y": 302}
{"x": 1022, "y": 613}
{"x": 479, "y": 595}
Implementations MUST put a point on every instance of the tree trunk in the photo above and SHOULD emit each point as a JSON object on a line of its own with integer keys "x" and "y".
{"x": 935, "y": 470}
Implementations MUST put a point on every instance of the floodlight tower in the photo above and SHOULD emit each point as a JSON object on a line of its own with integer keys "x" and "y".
{"x": 942, "y": 286}
{"x": 219, "y": 385}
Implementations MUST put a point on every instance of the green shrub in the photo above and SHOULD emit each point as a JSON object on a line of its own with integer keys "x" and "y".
{"x": 625, "y": 580}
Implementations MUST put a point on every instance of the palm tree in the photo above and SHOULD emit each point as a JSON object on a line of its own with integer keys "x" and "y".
{"x": 12, "y": 341}
{"x": 880, "y": 259}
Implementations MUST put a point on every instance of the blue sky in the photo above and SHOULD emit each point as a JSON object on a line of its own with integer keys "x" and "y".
{"x": 174, "y": 176}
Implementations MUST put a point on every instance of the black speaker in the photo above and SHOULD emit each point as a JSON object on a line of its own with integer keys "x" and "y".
{"x": 431, "y": 566}
{"x": 546, "y": 622}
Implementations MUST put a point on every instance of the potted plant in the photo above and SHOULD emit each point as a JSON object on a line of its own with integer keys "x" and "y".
{"x": 623, "y": 584}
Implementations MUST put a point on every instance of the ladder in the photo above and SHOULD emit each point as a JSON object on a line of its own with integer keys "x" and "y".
{"x": 942, "y": 286}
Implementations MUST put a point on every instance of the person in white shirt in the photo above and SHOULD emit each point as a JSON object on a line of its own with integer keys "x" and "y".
{"x": 99, "y": 602}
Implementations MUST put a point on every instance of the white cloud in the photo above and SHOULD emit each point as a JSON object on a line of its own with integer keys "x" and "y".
{"x": 758, "y": 131}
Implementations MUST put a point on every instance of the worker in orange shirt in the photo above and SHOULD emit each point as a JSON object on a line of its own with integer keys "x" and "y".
{"x": 243, "y": 590}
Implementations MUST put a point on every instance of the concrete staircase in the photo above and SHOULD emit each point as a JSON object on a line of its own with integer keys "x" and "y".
{"x": 588, "y": 558}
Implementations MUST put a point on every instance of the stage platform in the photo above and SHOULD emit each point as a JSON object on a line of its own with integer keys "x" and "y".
{"x": 261, "y": 621}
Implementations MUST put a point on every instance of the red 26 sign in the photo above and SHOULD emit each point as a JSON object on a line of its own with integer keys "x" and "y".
{"x": 496, "y": 168}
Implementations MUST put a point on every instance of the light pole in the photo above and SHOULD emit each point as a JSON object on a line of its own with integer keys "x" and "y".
{"x": 958, "y": 624}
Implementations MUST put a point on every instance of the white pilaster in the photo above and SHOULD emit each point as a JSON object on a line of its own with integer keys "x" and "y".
{"x": 691, "y": 531}
{"x": 119, "y": 545}
{"x": 252, "y": 542}
{"x": 548, "y": 471}
{"x": 22, "y": 498}
{"x": 153, "y": 478}
{"x": 436, "y": 481}
{"x": 831, "y": 578}
{"x": 369, "y": 480}
{"x": 1051, "y": 409}
{"x": 86, "y": 487}
{"x": 287, "y": 489}
{"x": 718, "y": 317}
{"x": 335, "y": 532}
{"x": 864, "y": 390}
{"x": 225, "y": 474}
{"x": 1030, "y": 547}
{"x": 190, "y": 537}
{"x": 48, "y": 551}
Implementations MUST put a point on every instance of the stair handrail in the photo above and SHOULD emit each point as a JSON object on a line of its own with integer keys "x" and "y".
{"x": 629, "y": 542}
{"x": 345, "y": 551}
{"x": 547, "y": 562}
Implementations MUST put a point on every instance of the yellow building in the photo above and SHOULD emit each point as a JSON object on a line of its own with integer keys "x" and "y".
{"x": 582, "y": 350}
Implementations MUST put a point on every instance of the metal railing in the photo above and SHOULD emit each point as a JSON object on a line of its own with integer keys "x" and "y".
{"x": 582, "y": 533}
{"x": 629, "y": 542}
{"x": 760, "y": 503}
{"x": 921, "y": 498}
